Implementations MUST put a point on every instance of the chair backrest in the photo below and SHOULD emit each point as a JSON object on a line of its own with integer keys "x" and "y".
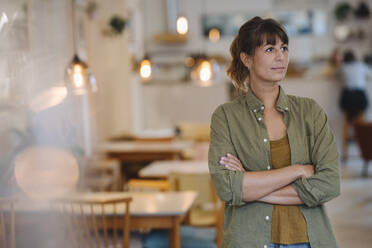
{"x": 146, "y": 185}
{"x": 201, "y": 183}
{"x": 101, "y": 174}
{"x": 363, "y": 134}
{"x": 7, "y": 223}
{"x": 194, "y": 131}
{"x": 87, "y": 220}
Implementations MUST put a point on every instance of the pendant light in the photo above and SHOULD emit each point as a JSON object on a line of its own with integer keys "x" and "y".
{"x": 145, "y": 69}
{"x": 204, "y": 68}
{"x": 80, "y": 81}
{"x": 182, "y": 25}
{"x": 79, "y": 78}
{"x": 205, "y": 71}
{"x": 202, "y": 72}
{"x": 214, "y": 35}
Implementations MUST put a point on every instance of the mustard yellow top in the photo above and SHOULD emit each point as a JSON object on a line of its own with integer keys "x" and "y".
{"x": 288, "y": 225}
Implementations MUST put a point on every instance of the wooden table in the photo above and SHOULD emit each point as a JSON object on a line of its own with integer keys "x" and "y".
{"x": 164, "y": 210}
{"x": 161, "y": 169}
{"x": 134, "y": 151}
{"x": 134, "y": 155}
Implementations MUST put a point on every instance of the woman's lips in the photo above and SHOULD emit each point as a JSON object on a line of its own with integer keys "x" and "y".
{"x": 278, "y": 68}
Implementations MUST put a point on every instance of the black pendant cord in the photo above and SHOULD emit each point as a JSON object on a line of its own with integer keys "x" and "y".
{"x": 73, "y": 27}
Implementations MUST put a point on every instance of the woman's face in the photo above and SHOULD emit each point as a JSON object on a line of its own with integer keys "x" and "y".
{"x": 269, "y": 62}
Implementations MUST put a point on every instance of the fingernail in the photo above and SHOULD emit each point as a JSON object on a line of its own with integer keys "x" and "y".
{"x": 229, "y": 155}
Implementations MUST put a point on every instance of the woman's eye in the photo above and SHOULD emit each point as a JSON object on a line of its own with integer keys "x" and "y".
{"x": 270, "y": 49}
{"x": 284, "y": 48}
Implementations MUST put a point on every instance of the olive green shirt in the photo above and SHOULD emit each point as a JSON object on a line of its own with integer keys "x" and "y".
{"x": 238, "y": 127}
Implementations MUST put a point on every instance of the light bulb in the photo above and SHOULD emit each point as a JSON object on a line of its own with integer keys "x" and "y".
{"x": 145, "y": 69}
{"x": 77, "y": 76}
{"x": 214, "y": 35}
{"x": 205, "y": 72}
{"x": 182, "y": 25}
{"x": 79, "y": 79}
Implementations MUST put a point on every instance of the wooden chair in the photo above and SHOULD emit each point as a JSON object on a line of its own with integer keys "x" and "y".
{"x": 207, "y": 210}
{"x": 100, "y": 174}
{"x": 199, "y": 134}
{"x": 363, "y": 134}
{"x": 346, "y": 137}
{"x": 87, "y": 220}
{"x": 143, "y": 139}
{"x": 7, "y": 223}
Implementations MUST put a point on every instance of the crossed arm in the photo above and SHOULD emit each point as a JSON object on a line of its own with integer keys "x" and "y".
{"x": 273, "y": 186}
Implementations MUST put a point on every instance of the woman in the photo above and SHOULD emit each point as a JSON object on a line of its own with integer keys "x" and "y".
{"x": 353, "y": 100}
{"x": 272, "y": 156}
{"x": 354, "y": 74}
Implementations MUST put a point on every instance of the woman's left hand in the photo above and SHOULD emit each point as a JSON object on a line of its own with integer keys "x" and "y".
{"x": 231, "y": 163}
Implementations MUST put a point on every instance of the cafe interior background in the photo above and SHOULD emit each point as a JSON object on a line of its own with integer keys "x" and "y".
{"x": 117, "y": 95}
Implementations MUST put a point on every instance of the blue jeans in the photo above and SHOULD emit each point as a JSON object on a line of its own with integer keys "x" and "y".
{"x": 302, "y": 245}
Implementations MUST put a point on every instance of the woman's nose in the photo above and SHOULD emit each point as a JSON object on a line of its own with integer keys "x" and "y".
{"x": 279, "y": 55}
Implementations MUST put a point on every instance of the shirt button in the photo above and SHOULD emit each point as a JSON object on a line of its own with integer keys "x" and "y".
{"x": 259, "y": 118}
{"x": 267, "y": 218}
{"x": 262, "y": 107}
{"x": 286, "y": 108}
{"x": 255, "y": 110}
{"x": 268, "y": 167}
{"x": 265, "y": 140}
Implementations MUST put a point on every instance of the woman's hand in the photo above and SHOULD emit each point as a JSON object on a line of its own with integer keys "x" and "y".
{"x": 231, "y": 163}
{"x": 307, "y": 170}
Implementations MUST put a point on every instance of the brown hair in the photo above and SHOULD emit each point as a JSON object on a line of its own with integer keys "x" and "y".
{"x": 251, "y": 35}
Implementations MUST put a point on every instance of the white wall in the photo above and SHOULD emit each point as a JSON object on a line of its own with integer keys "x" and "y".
{"x": 109, "y": 60}
{"x": 165, "y": 106}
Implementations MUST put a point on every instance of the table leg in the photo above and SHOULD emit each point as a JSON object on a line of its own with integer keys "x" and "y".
{"x": 175, "y": 234}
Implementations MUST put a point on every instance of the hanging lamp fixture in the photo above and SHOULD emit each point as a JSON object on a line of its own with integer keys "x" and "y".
{"x": 79, "y": 78}
{"x": 203, "y": 70}
{"x": 182, "y": 25}
{"x": 145, "y": 69}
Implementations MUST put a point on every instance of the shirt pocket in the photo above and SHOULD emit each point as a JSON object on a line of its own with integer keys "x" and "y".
{"x": 305, "y": 149}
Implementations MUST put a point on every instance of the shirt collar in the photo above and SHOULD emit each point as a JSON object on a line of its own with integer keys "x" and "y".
{"x": 255, "y": 105}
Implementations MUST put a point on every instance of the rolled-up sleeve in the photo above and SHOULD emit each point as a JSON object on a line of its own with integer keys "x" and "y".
{"x": 325, "y": 184}
{"x": 228, "y": 184}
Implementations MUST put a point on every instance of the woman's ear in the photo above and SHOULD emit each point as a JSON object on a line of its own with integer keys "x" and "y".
{"x": 246, "y": 60}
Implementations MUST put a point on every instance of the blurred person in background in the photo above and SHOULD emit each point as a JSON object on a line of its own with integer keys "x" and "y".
{"x": 353, "y": 99}
{"x": 272, "y": 157}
